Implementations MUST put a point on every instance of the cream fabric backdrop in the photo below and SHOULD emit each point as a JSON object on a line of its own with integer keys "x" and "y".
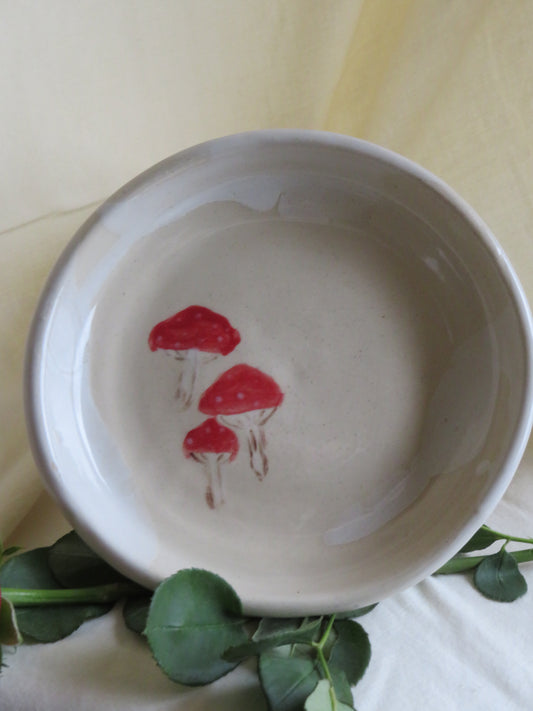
{"x": 93, "y": 92}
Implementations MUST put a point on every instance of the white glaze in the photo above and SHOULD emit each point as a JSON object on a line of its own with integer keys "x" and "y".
{"x": 382, "y": 308}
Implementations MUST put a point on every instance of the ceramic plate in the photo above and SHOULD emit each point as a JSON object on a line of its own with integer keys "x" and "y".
{"x": 292, "y": 358}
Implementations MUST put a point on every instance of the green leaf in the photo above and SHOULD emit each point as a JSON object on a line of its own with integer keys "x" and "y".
{"x": 351, "y": 651}
{"x": 9, "y": 631}
{"x": 6, "y": 553}
{"x": 44, "y": 624}
{"x": 356, "y": 613}
{"x": 483, "y": 538}
{"x": 343, "y": 690}
{"x": 271, "y": 626}
{"x": 75, "y": 565}
{"x": 498, "y": 578}
{"x": 194, "y": 617}
{"x": 275, "y": 633}
{"x": 321, "y": 699}
{"x": 287, "y": 681}
{"x": 135, "y": 613}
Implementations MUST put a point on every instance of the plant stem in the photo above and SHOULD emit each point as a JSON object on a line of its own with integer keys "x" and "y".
{"x": 460, "y": 564}
{"x": 327, "y": 631}
{"x": 61, "y": 596}
{"x": 319, "y": 646}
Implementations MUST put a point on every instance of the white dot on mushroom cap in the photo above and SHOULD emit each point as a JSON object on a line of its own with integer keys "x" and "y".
{"x": 218, "y": 398}
{"x": 197, "y": 315}
{"x": 257, "y": 403}
{"x": 208, "y": 428}
{"x": 240, "y": 396}
{"x": 189, "y": 440}
{"x": 220, "y": 339}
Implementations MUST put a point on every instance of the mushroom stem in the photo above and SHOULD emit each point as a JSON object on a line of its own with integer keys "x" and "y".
{"x": 214, "y": 494}
{"x": 256, "y": 447}
{"x": 187, "y": 378}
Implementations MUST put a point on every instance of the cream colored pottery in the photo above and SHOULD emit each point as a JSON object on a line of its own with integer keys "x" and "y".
{"x": 292, "y": 358}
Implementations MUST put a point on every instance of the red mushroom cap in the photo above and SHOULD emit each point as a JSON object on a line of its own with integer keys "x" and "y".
{"x": 212, "y": 437}
{"x": 240, "y": 389}
{"x": 195, "y": 327}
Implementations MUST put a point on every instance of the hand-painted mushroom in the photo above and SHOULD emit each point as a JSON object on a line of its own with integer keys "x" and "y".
{"x": 195, "y": 335}
{"x": 245, "y": 398}
{"x": 212, "y": 445}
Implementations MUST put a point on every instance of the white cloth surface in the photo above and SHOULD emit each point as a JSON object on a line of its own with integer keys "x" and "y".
{"x": 94, "y": 92}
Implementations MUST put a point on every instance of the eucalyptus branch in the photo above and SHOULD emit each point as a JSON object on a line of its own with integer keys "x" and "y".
{"x": 95, "y": 594}
{"x": 48, "y": 593}
{"x": 462, "y": 563}
{"x": 507, "y": 537}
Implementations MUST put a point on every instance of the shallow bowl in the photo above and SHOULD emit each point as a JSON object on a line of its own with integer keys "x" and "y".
{"x": 293, "y": 358}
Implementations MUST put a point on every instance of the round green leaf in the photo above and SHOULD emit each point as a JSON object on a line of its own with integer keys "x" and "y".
{"x": 51, "y": 622}
{"x": 482, "y": 538}
{"x": 194, "y": 617}
{"x": 351, "y": 651}
{"x": 269, "y": 627}
{"x": 498, "y": 578}
{"x": 287, "y": 681}
{"x": 276, "y": 634}
{"x": 135, "y": 613}
{"x": 359, "y": 612}
{"x": 75, "y": 565}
